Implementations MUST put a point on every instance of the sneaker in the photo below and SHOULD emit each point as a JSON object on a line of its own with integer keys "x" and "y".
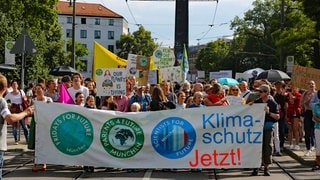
{"x": 16, "y": 143}
{"x": 317, "y": 167}
{"x": 313, "y": 148}
{"x": 291, "y": 146}
{"x": 296, "y": 147}
{"x": 307, "y": 153}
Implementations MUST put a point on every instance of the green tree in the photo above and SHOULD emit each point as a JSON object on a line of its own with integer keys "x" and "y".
{"x": 254, "y": 44}
{"x": 264, "y": 40}
{"x": 211, "y": 57}
{"x": 80, "y": 51}
{"x": 312, "y": 10}
{"x": 40, "y": 19}
{"x": 139, "y": 42}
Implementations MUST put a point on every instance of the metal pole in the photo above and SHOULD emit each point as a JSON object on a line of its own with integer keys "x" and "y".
{"x": 282, "y": 28}
{"x": 22, "y": 61}
{"x": 73, "y": 48}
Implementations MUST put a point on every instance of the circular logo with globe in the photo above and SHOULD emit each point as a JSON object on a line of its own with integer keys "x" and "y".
{"x": 71, "y": 133}
{"x": 121, "y": 137}
{"x": 173, "y": 137}
{"x": 143, "y": 61}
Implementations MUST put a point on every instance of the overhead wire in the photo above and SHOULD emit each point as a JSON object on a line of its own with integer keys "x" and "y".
{"x": 210, "y": 25}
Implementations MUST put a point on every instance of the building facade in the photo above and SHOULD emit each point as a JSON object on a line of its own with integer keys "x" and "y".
{"x": 93, "y": 22}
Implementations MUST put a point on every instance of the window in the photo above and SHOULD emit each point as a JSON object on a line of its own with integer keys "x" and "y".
{"x": 83, "y": 34}
{"x": 69, "y": 20}
{"x": 97, "y": 22}
{"x": 84, "y": 45}
{"x": 69, "y": 33}
{"x": 111, "y": 22}
{"x": 83, "y": 21}
{"x": 111, "y": 48}
{"x": 110, "y": 34}
{"x": 97, "y": 34}
{"x": 85, "y": 68}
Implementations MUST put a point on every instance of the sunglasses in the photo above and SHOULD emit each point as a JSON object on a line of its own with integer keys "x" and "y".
{"x": 234, "y": 90}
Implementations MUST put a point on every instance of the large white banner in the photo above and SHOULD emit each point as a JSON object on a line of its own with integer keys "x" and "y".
{"x": 212, "y": 137}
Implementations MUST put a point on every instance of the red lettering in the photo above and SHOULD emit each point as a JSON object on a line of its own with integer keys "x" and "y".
{"x": 216, "y": 159}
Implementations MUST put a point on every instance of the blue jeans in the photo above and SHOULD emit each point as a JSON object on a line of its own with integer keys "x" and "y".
{"x": 1, "y": 163}
{"x": 25, "y": 130}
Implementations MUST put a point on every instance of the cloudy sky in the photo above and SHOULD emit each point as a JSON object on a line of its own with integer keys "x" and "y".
{"x": 159, "y": 17}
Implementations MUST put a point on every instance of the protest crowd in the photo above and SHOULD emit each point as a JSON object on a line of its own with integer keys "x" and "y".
{"x": 291, "y": 113}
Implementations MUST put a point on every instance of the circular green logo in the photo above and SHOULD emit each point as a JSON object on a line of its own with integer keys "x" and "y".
{"x": 122, "y": 137}
{"x": 99, "y": 72}
{"x": 71, "y": 133}
{"x": 143, "y": 61}
{"x": 9, "y": 45}
{"x": 158, "y": 53}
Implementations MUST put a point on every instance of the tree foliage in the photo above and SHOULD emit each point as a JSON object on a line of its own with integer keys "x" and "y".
{"x": 212, "y": 56}
{"x": 40, "y": 19}
{"x": 262, "y": 39}
{"x": 139, "y": 42}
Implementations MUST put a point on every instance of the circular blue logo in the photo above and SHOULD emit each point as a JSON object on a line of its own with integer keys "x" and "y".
{"x": 173, "y": 138}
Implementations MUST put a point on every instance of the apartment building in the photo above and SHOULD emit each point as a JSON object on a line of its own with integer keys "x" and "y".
{"x": 93, "y": 22}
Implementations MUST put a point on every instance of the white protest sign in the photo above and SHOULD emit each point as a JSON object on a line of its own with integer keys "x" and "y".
{"x": 111, "y": 81}
{"x": 163, "y": 57}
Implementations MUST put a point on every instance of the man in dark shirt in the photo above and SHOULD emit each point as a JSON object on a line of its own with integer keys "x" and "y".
{"x": 271, "y": 116}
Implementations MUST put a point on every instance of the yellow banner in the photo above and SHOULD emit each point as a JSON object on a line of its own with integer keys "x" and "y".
{"x": 302, "y": 75}
{"x": 103, "y": 58}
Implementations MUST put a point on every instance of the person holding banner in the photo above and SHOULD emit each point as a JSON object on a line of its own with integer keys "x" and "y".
{"x": 271, "y": 116}
{"x": 40, "y": 97}
{"x": 7, "y": 117}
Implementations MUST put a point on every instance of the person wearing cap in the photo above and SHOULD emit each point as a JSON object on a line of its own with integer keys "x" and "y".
{"x": 271, "y": 116}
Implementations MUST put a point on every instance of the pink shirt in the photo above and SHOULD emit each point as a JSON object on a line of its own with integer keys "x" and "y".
{"x": 122, "y": 102}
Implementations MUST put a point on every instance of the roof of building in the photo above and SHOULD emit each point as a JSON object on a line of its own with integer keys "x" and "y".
{"x": 86, "y": 9}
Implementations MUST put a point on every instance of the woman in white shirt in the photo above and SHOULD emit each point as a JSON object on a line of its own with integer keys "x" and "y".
{"x": 40, "y": 97}
{"x": 15, "y": 98}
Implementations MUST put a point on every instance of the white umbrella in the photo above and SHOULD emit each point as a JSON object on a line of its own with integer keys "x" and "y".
{"x": 250, "y": 71}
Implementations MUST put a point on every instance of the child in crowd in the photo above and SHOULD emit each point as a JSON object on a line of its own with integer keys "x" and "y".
{"x": 135, "y": 107}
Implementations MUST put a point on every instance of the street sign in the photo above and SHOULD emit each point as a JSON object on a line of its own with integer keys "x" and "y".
{"x": 24, "y": 44}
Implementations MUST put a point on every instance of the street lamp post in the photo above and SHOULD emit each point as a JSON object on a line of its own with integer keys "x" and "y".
{"x": 73, "y": 48}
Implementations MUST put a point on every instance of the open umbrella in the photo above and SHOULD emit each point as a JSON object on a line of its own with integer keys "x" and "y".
{"x": 62, "y": 71}
{"x": 227, "y": 81}
{"x": 6, "y": 68}
{"x": 250, "y": 71}
{"x": 273, "y": 75}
